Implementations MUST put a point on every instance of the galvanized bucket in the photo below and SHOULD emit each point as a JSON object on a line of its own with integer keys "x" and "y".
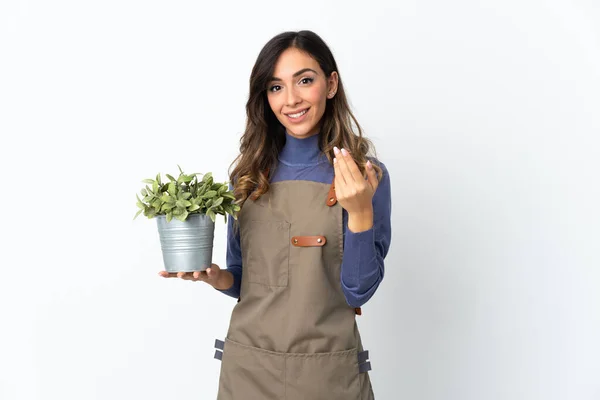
{"x": 186, "y": 246}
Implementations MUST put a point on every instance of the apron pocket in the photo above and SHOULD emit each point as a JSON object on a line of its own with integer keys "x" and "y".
{"x": 265, "y": 252}
{"x": 251, "y": 373}
{"x": 323, "y": 376}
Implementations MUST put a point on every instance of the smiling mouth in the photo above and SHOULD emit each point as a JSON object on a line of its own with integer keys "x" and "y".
{"x": 298, "y": 114}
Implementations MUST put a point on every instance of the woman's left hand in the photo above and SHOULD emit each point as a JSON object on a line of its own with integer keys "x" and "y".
{"x": 353, "y": 191}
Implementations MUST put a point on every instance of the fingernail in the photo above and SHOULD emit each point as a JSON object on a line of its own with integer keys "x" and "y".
{"x": 369, "y": 165}
{"x": 344, "y": 152}
{"x": 335, "y": 160}
{"x": 336, "y": 150}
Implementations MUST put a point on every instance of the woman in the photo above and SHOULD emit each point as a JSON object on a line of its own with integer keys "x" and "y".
{"x": 308, "y": 248}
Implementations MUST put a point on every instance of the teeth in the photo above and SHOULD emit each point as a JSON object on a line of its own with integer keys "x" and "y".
{"x": 301, "y": 113}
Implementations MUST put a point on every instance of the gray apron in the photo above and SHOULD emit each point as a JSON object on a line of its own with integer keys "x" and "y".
{"x": 292, "y": 335}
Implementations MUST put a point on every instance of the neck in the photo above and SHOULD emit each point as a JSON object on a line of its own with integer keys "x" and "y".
{"x": 301, "y": 151}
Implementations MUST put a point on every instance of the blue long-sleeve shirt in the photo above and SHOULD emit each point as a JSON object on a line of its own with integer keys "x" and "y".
{"x": 363, "y": 260}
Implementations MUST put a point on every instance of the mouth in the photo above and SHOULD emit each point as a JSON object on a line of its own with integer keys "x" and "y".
{"x": 297, "y": 115}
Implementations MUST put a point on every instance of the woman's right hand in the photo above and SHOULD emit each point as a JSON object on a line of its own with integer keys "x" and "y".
{"x": 213, "y": 275}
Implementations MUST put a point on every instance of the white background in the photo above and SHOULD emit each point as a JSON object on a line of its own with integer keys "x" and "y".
{"x": 485, "y": 112}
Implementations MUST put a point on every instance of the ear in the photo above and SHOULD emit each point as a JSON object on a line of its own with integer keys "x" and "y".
{"x": 332, "y": 85}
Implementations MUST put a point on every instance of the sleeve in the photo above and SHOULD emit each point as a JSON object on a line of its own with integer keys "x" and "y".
{"x": 364, "y": 252}
{"x": 233, "y": 259}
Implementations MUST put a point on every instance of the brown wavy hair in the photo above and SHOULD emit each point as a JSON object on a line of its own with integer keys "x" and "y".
{"x": 264, "y": 136}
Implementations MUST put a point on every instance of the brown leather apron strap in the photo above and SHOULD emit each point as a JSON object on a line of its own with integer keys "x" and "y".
{"x": 308, "y": 241}
{"x": 331, "y": 197}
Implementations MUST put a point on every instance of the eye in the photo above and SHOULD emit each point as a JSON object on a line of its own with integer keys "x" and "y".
{"x": 306, "y": 80}
{"x": 274, "y": 88}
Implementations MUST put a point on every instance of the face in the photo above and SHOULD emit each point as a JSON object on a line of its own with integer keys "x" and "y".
{"x": 299, "y": 91}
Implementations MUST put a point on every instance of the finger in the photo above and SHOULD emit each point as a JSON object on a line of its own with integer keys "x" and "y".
{"x": 203, "y": 276}
{"x": 372, "y": 176}
{"x": 336, "y": 165}
{"x": 189, "y": 276}
{"x": 340, "y": 187}
{"x": 343, "y": 166}
{"x": 211, "y": 273}
{"x": 353, "y": 169}
{"x": 196, "y": 274}
{"x": 166, "y": 274}
{"x": 181, "y": 274}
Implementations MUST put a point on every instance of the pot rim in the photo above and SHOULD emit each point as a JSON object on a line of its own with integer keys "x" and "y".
{"x": 189, "y": 215}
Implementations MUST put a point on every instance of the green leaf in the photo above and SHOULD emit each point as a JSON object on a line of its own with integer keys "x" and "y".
{"x": 217, "y": 202}
{"x": 149, "y": 181}
{"x": 158, "y": 178}
{"x": 182, "y": 217}
{"x": 211, "y": 215}
{"x": 194, "y": 207}
{"x": 150, "y": 212}
{"x": 183, "y": 203}
{"x": 172, "y": 189}
{"x": 167, "y": 207}
{"x": 144, "y": 192}
{"x": 157, "y": 204}
{"x": 138, "y": 213}
{"x": 207, "y": 177}
{"x": 186, "y": 195}
{"x": 180, "y": 170}
{"x": 155, "y": 186}
{"x": 139, "y": 202}
{"x": 171, "y": 178}
{"x": 169, "y": 216}
{"x": 210, "y": 194}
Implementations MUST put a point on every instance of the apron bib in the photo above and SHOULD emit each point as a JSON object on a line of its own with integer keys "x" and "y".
{"x": 292, "y": 336}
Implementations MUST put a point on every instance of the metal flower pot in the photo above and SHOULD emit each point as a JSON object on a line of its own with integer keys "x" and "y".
{"x": 186, "y": 246}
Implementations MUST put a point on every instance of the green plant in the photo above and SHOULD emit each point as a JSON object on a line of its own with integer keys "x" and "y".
{"x": 186, "y": 195}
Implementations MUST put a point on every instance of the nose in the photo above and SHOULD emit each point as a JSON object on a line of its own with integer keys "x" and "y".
{"x": 293, "y": 97}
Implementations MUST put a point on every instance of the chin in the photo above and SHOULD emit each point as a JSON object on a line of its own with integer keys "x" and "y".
{"x": 302, "y": 132}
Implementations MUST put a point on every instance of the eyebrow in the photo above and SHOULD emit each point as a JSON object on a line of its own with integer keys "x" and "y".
{"x": 274, "y": 79}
